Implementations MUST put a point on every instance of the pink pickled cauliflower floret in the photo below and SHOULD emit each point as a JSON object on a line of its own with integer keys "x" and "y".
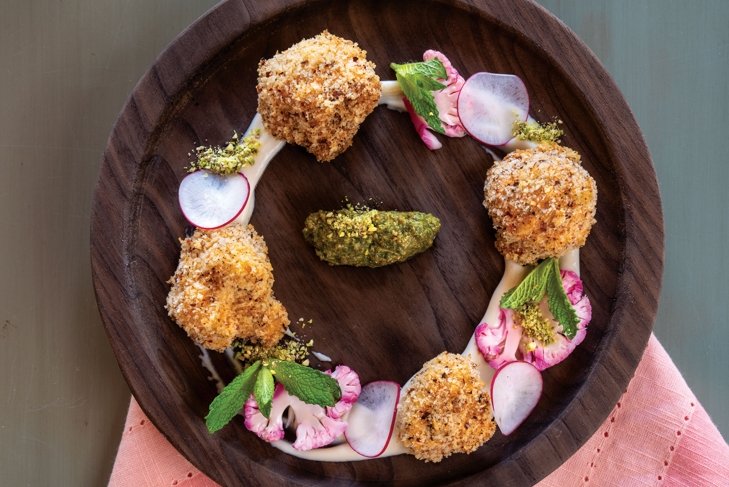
{"x": 349, "y": 384}
{"x": 269, "y": 429}
{"x": 422, "y": 127}
{"x": 503, "y": 342}
{"x": 316, "y": 426}
{"x": 446, "y": 100}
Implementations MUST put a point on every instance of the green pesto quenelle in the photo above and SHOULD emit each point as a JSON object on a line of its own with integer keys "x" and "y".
{"x": 365, "y": 237}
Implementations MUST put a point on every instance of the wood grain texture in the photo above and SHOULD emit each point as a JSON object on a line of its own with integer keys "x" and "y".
{"x": 386, "y": 322}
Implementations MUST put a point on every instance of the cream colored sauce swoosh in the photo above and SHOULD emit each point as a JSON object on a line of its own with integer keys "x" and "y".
{"x": 513, "y": 274}
{"x": 270, "y": 146}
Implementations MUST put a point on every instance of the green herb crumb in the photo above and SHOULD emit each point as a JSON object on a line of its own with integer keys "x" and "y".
{"x": 536, "y": 132}
{"x": 230, "y": 158}
{"x": 534, "y": 324}
{"x": 290, "y": 348}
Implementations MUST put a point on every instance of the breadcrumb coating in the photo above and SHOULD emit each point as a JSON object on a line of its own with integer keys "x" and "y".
{"x": 542, "y": 203}
{"x": 223, "y": 289}
{"x": 446, "y": 410}
{"x": 317, "y": 93}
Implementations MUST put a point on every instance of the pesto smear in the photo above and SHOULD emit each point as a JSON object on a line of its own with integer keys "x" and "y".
{"x": 364, "y": 237}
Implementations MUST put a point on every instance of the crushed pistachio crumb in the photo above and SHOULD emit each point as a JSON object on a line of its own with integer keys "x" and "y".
{"x": 535, "y": 325}
{"x": 303, "y": 323}
{"x": 354, "y": 223}
{"x": 290, "y": 348}
{"x": 537, "y": 132}
{"x": 230, "y": 158}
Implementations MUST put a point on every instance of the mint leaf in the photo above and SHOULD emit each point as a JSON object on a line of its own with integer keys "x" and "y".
{"x": 418, "y": 81}
{"x": 231, "y": 399}
{"x": 559, "y": 304}
{"x": 263, "y": 391}
{"x": 309, "y": 385}
{"x": 430, "y": 69}
{"x": 422, "y": 100}
{"x": 544, "y": 279}
{"x": 529, "y": 290}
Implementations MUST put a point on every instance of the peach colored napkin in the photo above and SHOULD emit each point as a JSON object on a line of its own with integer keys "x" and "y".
{"x": 658, "y": 434}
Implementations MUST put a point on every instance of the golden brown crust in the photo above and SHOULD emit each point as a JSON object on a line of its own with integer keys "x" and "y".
{"x": 317, "y": 93}
{"x": 445, "y": 410}
{"x": 223, "y": 289}
{"x": 542, "y": 203}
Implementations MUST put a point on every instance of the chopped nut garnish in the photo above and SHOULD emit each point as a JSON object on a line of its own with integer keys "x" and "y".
{"x": 289, "y": 348}
{"x": 537, "y": 132}
{"x": 535, "y": 324}
{"x": 228, "y": 159}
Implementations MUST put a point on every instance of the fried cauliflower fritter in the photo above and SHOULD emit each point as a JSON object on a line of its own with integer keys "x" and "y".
{"x": 445, "y": 410}
{"x": 223, "y": 289}
{"x": 317, "y": 93}
{"x": 542, "y": 203}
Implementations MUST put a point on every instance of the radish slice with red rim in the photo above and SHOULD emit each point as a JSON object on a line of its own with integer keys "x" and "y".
{"x": 372, "y": 419}
{"x": 210, "y": 201}
{"x": 515, "y": 391}
{"x": 489, "y": 104}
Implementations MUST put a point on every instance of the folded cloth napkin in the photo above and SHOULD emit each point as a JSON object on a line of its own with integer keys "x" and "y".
{"x": 657, "y": 434}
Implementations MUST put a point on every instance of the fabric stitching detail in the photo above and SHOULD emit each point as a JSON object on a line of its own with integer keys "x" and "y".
{"x": 605, "y": 435}
{"x": 135, "y": 426}
{"x": 661, "y": 478}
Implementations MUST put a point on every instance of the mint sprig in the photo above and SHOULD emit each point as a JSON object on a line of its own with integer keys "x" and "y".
{"x": 545, "y": 279}
{"x": 418, "y": 81}
{"x": 231, "y": 399}
{"x": 309, "y": 385}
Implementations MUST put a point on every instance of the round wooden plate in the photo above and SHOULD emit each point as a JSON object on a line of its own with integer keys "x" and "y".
{"x": 382, "y": 322}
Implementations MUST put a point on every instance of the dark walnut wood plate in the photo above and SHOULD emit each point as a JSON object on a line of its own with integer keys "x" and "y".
{"x": 384, "y": 322}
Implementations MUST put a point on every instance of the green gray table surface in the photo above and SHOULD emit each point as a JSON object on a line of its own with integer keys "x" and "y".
{"x": 66, "y": 68}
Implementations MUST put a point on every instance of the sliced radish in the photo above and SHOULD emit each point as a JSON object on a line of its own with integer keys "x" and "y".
{"x": 490, "y": 103}
{"x": 515, "y": 391}
{"x": 372, "y": 418}
{"x": 210, "y": 200}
